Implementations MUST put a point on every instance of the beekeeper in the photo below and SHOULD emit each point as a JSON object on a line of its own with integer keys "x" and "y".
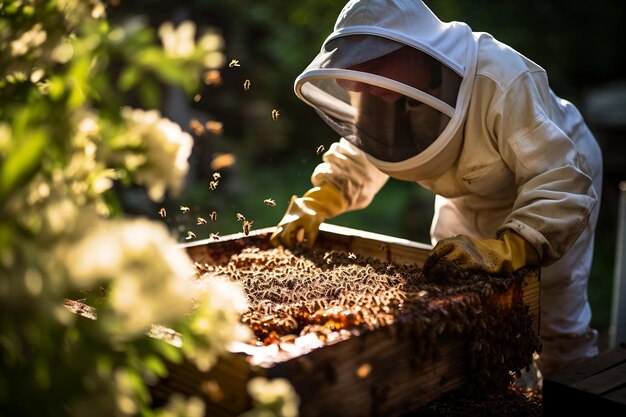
{"x": 515, "y": 170}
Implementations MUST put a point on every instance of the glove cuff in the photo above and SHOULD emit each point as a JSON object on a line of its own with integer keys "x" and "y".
{"x": 326, "y": 200}
{"x": 519, "y": 245}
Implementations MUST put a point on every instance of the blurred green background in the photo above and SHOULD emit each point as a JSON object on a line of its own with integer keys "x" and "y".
{"x": 580, "y": 44}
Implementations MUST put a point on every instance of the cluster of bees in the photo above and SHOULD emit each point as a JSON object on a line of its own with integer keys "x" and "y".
{"x": 293, "y": 293}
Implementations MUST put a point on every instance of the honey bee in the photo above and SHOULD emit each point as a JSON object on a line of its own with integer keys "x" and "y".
{"x": 364, "y": 370}
{"x": 269, "y": 202}
{"x": 213, "y": 185}
{"x": 190, "y": 235}
{"x": 275, "y": 114}
{"x": 320, "y": 150}
{"x": 246, "y": 226}
{"x": 212, "y": 390}
{"x": 197, "y": 97}
{"x": 213, "y": 216}
{"x": 162, "y": 212}
{"x": 383, "y": 247}
{"x": 214, "y": 127}
{"x": 223, "y": 160}
{"x": 201, "y": 221}
{"x": 216, "y": 176}
{"x": 241, "y": 217}
{"x": 184, "y": 209}
{"x": 213, "y": 77}
{"x": 233, "y": 63}
{"x": 215, "y": 236}
{"x": 246, "y": 85}
{"x": 300, "y": 235}
{"x": 196, "y": 126}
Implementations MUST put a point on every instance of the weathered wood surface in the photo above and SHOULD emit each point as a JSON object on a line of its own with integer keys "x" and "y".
{"x": 597, "y": 384}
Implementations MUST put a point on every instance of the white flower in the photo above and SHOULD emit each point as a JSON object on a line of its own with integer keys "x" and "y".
{"x": 166, "y": 150}
{"x": 179, "y": 406}
{"x": 210, "y": 44}
{"x": 30, "y": 39}
{"x": 179, "y": 42}
{"x": 217, "y": 319}
{"x": 277, "y": 395}
{"x": 110, "y": 392}
{"x": 150, "y": 277}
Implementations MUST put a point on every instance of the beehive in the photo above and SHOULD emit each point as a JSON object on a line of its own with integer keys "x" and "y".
{"x": 452, "y": 335}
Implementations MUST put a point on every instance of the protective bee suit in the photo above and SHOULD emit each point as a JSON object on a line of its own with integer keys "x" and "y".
{"x": 475, "y": 122}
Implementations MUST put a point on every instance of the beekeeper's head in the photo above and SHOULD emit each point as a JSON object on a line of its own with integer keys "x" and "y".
{"x": 384, "y": 81}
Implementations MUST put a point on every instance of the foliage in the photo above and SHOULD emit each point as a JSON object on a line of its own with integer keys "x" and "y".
{"x": 67, "y": 135}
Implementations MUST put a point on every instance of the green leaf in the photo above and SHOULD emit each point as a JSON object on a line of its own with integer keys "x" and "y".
{"x": 129, "y": 78}
{"x": 56, "y": 88}
{"x": 22, "y": 161}
{"x": 150, "y": 93}
{"x": 170, "y": 353}
{"x": 6, "y": 236}
{"x": 156, "y": 365}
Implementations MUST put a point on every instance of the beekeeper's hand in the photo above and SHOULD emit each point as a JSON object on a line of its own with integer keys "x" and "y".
{"x": 300, "y": 224}
{"x": 462, "y": 254}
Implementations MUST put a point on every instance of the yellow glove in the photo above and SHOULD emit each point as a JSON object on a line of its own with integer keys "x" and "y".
{"x": 462, "y": 254}
{"x": 306, "y": 213}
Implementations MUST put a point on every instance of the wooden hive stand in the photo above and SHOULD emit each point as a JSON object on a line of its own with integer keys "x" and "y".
{"x": 596, "y": 385}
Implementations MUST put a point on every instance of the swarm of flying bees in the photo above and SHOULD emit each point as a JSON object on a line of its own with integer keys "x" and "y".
{"x": 214, "y": 77}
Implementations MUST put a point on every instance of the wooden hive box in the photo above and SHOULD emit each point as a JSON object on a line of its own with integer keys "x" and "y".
{"x": 377, "y": 373}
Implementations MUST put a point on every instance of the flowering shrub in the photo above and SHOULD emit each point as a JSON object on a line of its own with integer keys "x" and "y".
{"x": 65, "y": 137}
{"x": 272, "y": 398}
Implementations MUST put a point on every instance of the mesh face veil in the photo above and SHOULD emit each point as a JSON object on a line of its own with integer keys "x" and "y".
{"x": 389, "y": 99}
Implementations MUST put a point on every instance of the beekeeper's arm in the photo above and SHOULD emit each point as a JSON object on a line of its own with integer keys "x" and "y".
{"x": 344, "y": 181}
{"x": 555, "y": 195}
